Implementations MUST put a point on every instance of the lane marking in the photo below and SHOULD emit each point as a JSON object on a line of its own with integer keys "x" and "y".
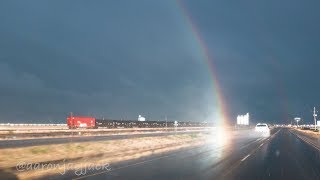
{"x": 261, "y": 145}
{"x": 245, "y": 157}
{"x": 237, "y": 163}
{"x": 259, "y": 139}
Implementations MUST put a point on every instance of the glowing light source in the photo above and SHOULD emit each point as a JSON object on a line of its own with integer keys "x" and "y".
{"x": 243, "y": 119}
{"x": 141, "y": 118}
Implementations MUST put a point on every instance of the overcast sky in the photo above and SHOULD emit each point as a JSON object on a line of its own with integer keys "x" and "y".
{"x": 118, "y": 59}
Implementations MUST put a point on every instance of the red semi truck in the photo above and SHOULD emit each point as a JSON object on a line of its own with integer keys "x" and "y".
{"x": 81, "y": 122}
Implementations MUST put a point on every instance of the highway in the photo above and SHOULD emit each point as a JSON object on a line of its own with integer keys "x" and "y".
{"x": 70, "y": 139}
{"x": 282, "y": 155}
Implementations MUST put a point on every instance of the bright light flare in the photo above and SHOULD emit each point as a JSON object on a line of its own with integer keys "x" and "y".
{"x": 219, "y": 136}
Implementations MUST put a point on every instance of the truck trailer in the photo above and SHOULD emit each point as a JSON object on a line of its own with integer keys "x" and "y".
{"x": 81, "y": 122}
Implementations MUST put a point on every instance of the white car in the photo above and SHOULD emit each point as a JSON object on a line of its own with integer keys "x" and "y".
{"x": 262, "y": 127}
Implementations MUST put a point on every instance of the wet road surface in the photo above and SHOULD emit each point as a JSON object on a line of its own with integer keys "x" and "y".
{"x": 282, "y": 155}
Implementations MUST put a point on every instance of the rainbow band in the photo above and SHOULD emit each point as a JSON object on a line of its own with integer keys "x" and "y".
{"x": 221, "y": 106}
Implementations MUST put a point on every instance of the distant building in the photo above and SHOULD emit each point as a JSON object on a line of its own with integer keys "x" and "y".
{"x": 141, "y": 118}
{"x": 176, "y": 124}
{"x": 243, "y": 119}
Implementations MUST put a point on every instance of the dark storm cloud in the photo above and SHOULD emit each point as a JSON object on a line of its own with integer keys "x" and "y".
{"x": 266, "y": 54}
{"x": 120, "y": 59}
{"x": 104, "y": 59}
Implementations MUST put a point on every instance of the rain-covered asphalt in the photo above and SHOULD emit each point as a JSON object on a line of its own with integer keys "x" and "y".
{"x": 282, "y": 155}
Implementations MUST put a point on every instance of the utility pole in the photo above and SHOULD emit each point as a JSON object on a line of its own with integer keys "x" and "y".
{"x": 166, "y": 123}
{"x": 71, "y": 122}
{"x": 315, "y": 118}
